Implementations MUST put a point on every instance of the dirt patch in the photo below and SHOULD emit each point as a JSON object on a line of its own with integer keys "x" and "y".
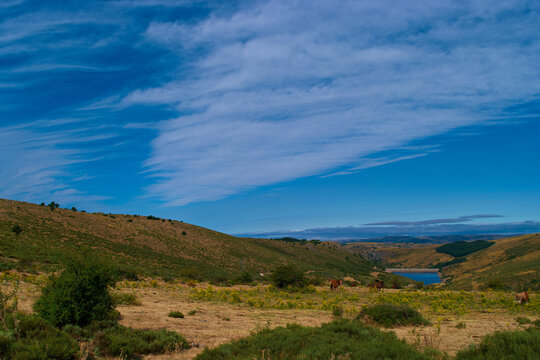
{"x": 452, "y": 338}
{"x": 212, "y": 324}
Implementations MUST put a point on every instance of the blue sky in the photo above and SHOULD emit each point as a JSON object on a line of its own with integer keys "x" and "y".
{"x": 264, "y": 116}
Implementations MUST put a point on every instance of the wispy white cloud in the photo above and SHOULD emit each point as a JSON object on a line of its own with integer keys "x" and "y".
{"x": 267, "y": 92}
{"x": 280, "y": 90}
{"x": 35, "y": 166}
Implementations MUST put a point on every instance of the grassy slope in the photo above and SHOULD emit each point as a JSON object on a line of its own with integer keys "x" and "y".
{"x": 515, "y": 261}
{"x": 401, "y": 255}
{"x": 155, "y": 247}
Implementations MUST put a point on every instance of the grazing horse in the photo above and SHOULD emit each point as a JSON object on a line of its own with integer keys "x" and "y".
{"x": 522, "y": 298}
{"x": 377, "y": 284}
{"x": 334, "y": 284}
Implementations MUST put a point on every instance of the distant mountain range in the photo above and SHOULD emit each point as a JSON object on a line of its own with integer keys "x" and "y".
{"x": 440, "y": 239}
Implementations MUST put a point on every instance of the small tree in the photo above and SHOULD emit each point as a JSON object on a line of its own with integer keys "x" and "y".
{"x": 288, "y": 275}
{"x": 16, "y": 229}
{"x": 79, "y": 295}
{"x": 52, "y": 205}
{"x": 74, "y": 209}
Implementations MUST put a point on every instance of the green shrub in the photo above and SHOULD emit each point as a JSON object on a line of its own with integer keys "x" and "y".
{"x": 389, "y": 315}
{"x": 79, "y": 295}
{"x": 341, "y": 339}
{"x": 5, "y": 266}
{"x": 522, "y": 320}
{"x": 496, "y": 284}
{"x": 316, "y": 280}
{"x": 190, "y": 273}
{"x": 461, "y": 325}
{"x": 36, "y": 339}
{"x": 16, "y": 229}
{"x": 244, "y": 278}
{"x": 119, "y": 340}
{"x": 505, "y": 345}
{"x": 192, "y": 312}
{"x": 176, "y": 315}
{"x": 52, "y": 205}
{"x": 288, "y": 275}
{"x": 125, "y": 299}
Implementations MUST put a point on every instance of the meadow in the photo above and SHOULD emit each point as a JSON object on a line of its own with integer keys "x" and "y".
{"x": 215, "y": 315}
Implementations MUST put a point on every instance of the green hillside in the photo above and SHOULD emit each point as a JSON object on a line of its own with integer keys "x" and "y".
{"x": 34, "y": 236}
{"x": 509, "y": 263}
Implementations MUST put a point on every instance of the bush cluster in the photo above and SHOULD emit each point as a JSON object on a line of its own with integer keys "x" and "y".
{"x": 176, "y": 315}
{"x": 244, "y": 278}
{"x": 288, "y": 275}
{"x": 120, "y": 340}
{"x": 79, "y": 295}
{"x": 341, "y": 339}
{"x": 30, "y": 337}
{"x": 75, "y": 307}
{"x": 389, "y": 315}
{"x": 505, "y": 345}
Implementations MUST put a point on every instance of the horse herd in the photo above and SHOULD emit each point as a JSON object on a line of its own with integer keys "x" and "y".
{"x": 522, "y": 298}
{"x": 377, "y": 284}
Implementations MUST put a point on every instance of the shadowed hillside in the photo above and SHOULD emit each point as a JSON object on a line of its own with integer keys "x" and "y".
{"x": 36, "y": 236}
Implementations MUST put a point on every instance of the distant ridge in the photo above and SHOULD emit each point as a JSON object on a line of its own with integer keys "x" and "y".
{"x": 439, "y": 239}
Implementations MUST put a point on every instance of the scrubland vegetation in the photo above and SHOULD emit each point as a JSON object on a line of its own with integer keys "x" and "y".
{"x": 76, "y": 307}
{"x": 146, "y": 246}
{"x": 355, "y": 336}
{"x": 159, "y": 270}
{"x": 341, "y": 339}
{"x": 390, "y": 315}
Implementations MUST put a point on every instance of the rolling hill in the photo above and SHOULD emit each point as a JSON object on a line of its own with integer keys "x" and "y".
{"x": 400, "y": 255}
{"x": 509, "y": 263}
{"x": 36, "y": 236}
{"x": 513, "y": 262}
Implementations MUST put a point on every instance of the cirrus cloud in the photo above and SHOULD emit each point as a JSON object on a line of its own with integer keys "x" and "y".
{"x": 279, "y": 90}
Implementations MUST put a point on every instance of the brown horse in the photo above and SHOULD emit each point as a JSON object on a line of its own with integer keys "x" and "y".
{"x": 377, "y": 284}
{"x": 522, "y": 298}
{"x": 334, "y": 284}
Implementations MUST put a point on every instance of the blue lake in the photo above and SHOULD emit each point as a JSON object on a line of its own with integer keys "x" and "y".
{"x": 426, "y": 277}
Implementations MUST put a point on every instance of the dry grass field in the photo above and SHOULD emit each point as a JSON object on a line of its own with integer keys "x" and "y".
{"x": 457, "y": 318}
